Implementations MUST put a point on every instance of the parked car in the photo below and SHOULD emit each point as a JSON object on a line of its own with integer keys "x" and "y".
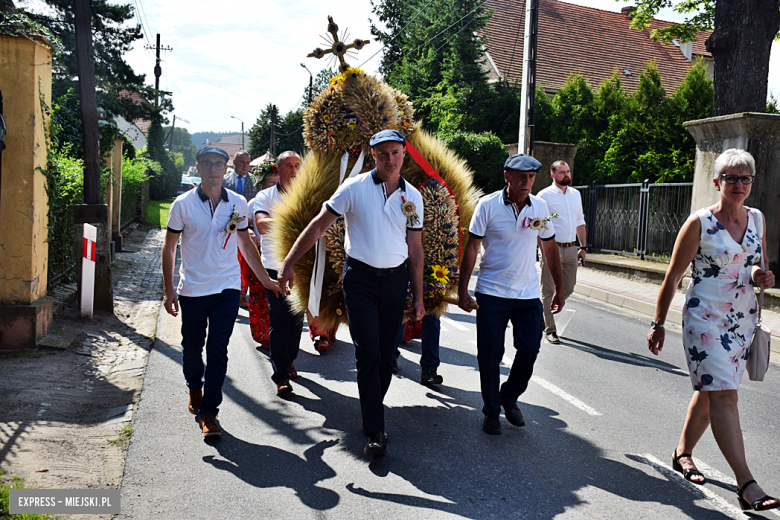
{"x": 187, "y": 183}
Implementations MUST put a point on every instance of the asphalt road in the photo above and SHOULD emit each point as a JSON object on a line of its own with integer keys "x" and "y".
{"x": 603, "y": 417}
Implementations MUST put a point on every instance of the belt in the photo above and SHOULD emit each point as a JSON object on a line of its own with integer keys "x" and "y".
{"x": 382, "y": 273}
{"x": 567, "y": 244}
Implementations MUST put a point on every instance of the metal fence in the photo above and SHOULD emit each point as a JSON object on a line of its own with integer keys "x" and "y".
{"x": 638, "y": 219}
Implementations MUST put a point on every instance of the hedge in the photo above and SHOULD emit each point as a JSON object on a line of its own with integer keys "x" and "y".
{"x": 485, "y": 154}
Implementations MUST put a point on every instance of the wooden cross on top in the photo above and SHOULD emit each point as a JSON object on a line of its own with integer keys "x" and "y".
{"x": 338, "y": 48}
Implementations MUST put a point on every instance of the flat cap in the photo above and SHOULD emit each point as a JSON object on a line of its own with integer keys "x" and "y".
{"x": 387, "y": 135}
{"x": 522, "y": 163}
{"x": 209, "y": 148}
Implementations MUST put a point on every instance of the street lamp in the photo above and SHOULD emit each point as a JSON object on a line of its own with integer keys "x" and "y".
{"x": 243, "y": 146}
{"x": 311, "y": 79}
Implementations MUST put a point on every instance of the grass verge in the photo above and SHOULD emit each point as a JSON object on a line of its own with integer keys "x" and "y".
{"x": 123, "y": 441}
{"x": 6, "y": 484}
{"x": 156, "y": 212}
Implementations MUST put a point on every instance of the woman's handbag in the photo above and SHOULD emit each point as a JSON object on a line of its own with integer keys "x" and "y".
{"x": 758, "y": 357}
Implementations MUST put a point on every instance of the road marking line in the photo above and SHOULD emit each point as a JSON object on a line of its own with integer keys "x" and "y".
{"x": 565, "y": 320}
{"x": 454, "y": 323}
{"x": 713, "y": 473}
{"x": 443, "y": 328}
{"x": 717, "y": 501}
{"x": 563, "y": 395}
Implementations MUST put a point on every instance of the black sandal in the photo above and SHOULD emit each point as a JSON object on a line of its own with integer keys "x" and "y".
{"x": 756, "y": 505}
{"x": 686, "y": 473}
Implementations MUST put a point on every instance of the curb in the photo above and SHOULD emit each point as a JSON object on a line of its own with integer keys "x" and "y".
{"x": 648, "y": 308}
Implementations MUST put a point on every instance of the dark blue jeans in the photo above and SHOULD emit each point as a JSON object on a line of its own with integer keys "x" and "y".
{"x": 285, "y": 334}
{"x": 375, "y": 307}
{"x": 493, "y": 316}
{"x": 218, "y": 312}
{"x": 429, "y": 351}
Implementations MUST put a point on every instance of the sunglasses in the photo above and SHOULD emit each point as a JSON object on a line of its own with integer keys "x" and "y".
{"x": 216, "y": 165}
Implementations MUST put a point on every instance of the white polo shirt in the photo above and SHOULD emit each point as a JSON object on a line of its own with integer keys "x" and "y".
{"x": 508, "y": 267}
{"x": 265, "y": 202}
{"x": 569, "y": 208}
{"x": 375, "y": 223}
{"x": 209, "y": 262}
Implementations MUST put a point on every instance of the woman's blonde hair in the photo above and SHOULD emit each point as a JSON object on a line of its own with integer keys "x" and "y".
{"x": 734, "y": 159}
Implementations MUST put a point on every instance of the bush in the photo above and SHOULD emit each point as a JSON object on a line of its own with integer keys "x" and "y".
{"x": 135, "y": 172}
{"x": 165, "y": 183}
{"x": 485, "y": 154}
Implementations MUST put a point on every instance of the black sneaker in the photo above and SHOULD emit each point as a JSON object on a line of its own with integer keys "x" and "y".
{"x": 491, "y": 424}
{"x": 552, "y": 337}
{"x": 513, "y": 414}
{"x": 377, "y": 445}
{"x": 431, "y": 378}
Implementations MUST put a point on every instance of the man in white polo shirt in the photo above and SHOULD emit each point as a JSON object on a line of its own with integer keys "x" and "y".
{"x": 286, "y": 325}
{"x": 569, "y": 225}
{"x": 212, "y": 223}
{"x": 507, "y": 223}
{"x": 384, "y": 216}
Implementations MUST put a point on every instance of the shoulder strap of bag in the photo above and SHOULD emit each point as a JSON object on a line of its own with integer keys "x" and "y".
{"x": 758, "y": 218}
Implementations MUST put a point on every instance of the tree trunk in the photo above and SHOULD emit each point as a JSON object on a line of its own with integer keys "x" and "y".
{"x": 740, "y": 46}
{"x": 89, "y": 119}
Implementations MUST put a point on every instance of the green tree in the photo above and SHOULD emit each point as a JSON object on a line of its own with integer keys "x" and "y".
{"x": 260, "y": 133}
{"x": 182, "y": 144}
{"x": 485, "y": 154}
{"x": 741, "y": 42}
{"x": 291, "y": 132}
{"x": 165, "y": 185}
{"x": 320, "y": 83}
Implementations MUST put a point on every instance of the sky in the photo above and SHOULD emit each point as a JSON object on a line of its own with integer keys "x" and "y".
{"x": 232, "y": 58}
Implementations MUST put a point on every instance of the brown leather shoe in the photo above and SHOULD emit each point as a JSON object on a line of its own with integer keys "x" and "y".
{"x": 292, "y": 372}
{"x": 209, "y": 425}
{"x": 196, "y": 397}
{"x": 283, "y": 388}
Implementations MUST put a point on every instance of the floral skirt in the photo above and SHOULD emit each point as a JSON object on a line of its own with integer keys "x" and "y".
{"x": 259, "y": 319}
{"x": 314, "y": 332}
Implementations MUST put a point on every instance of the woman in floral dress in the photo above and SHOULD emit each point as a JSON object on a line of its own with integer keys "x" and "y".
{"x": 259, "y": 320}
{"x": 721, "y": 244}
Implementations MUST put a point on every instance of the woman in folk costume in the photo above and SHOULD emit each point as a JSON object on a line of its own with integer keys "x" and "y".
{"x": 337, "y": 127}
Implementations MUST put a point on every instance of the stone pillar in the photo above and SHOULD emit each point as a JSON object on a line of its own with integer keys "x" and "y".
{"x": 113, "y": 194}
{"x": 547, "y": 153}
{"x": 757, "y": 133}
{"x": 25, "y": 82}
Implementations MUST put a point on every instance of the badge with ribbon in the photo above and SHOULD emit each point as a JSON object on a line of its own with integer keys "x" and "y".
{"x": 232, "y": 225}
{"x": 410, "y": 211}
{"x": 537, "y": 224}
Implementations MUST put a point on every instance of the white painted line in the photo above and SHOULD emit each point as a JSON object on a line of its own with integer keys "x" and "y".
{"x": 710, "y": 472}
{"x": 715, "y": 500}
{"x": 453, "y": 323}
{"x": 563, "y": 395}
{"x": 473, "y": 341}
{"x": 443, "y": 328}
{"x": 564, "y": 320}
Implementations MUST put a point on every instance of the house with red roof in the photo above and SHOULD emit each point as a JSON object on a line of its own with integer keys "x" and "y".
{"x": 583, "y": 40}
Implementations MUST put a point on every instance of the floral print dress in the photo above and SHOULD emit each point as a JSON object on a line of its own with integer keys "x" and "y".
{"x": 720, "y": 310}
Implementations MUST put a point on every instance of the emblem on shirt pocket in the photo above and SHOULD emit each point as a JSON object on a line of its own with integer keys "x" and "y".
{"x": 410, "y": 211}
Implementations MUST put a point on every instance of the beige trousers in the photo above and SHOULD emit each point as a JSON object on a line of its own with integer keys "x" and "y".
{"x": 568, "y": 256}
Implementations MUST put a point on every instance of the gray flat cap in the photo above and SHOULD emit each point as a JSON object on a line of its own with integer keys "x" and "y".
{"x": 212, "y": 149}
{"x": 387, "y": 135}
{"x": 522, "y": 163}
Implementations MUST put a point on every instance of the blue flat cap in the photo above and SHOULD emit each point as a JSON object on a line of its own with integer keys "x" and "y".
{"x": 387, "y": 135}
{"x": 522, "y": 163}
{"x": 209, "y": 148}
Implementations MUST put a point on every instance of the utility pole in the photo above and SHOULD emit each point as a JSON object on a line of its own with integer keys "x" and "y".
{"x": 273, "y": 131}
{"x": 311, "y": 80}
{"x": 158, "y": 69}
{"x": 525, "y": 141}
{"x": 85, "y": 62}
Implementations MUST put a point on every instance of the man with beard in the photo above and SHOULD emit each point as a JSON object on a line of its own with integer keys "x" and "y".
{"x": 569, "y": 226}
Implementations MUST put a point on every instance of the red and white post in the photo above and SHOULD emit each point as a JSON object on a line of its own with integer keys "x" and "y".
{"x": 88, "y": 270}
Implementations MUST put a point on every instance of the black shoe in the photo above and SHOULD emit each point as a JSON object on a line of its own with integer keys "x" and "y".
{"x": 686, "y": 473}
{"x": 377, "y": 445}
{"x": 756, "y": 505}
{"x": 513, "y": 414}
{"x": 431, "y": 378}
{"x": 552, "y": 337}
{"x": 491, "y": 424}
{"x": 395, "y": 366}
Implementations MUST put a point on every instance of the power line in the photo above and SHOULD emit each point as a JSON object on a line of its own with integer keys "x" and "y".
{"x": 143, "y": 12}
{"x": 441, "y": 32}
{"x": 397, "y": 34}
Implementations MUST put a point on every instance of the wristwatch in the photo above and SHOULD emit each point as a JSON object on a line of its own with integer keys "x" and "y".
{"x": 583, "y": 248}
{"x": 654, "y": 325}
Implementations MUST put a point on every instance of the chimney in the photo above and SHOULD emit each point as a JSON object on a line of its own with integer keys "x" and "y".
{"x": 628, "y": 10}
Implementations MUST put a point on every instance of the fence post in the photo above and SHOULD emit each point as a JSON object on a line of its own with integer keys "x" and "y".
{"x": 591, "y": 215}
{"x": 644, "y": 214}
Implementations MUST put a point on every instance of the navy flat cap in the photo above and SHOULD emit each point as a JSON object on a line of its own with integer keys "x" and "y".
{"x": 387, "y": 135}
{"x": 212, "y": 149}
{"x": 522, "y": 163}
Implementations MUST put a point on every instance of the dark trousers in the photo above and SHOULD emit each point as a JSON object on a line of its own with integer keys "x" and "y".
{"x": 375, "y": 307}
{"x": 218, "y": 312}
{"x": 493, "y": 316}
{"x": 285, "y": 334}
